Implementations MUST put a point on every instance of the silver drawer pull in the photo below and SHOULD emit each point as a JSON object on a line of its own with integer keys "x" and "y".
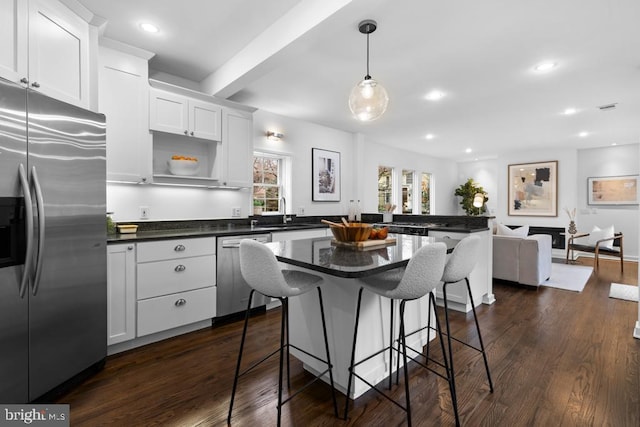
{"x": 179, "y": 248}
{"x": 180, "y": 268}
{"x": 181, "y": 302}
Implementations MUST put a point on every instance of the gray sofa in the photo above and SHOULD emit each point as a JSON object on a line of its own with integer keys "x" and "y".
{"x": 525, "y": 260}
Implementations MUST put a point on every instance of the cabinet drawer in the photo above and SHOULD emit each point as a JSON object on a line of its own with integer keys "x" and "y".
{"x": 178, "y": 248}
{"x": 171, "y": 311}
{"x": 175, "y": 275}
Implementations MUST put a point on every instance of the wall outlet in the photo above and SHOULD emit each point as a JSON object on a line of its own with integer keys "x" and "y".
{"x": 145, "y": 212}
{"x": 236, "y": 212}
{"x": 301, "y": 210}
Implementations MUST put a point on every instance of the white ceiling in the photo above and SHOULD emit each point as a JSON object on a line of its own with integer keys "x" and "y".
{"x": 300, "y": 58}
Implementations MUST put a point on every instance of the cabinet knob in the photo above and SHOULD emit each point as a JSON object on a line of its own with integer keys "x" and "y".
{"x": 186, "y": 132}
{"x": 180, "y": 268}
{"x": 179, "y": 248}
{"x": 129, "y": 248}
{"x": 180, "y": 302}
{"x": 35, "y": 84}
{"x": 24, "y": 80}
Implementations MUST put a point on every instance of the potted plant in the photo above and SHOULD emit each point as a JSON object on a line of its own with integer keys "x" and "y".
{"x": 468, "y": 191}
{"x": 258, "y": 206}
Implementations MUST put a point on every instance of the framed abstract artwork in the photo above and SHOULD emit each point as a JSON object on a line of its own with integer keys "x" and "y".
{"x": 325, "y": 175}
{"x": 533, "y": 189}
{"x": 612, "y": 190}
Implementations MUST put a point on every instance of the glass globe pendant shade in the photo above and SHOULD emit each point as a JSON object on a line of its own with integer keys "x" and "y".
{"x": 368, "y": 100}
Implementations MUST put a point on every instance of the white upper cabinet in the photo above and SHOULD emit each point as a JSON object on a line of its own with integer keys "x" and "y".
{"x": 177, "y": 114}
{"x": 58, "y": 52}
{"x": 45, "y": 45}
{"x": 238, "y": 148}
{"x": 13, "y": 39}
{"x": 124, "y": 99}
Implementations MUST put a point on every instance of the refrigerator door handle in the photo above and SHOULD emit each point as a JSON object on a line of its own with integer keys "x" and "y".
{"x": 26, "y": 274}
{"x": 41, "y": 224}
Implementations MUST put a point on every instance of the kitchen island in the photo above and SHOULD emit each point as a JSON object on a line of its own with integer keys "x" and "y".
{"x": 340, "y": 268}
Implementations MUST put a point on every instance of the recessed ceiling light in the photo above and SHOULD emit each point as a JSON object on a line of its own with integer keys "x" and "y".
{"x": 149, "y": 28}
{"x": 434, "y": 95}
{"x": 614, "y": 143}
{"x": 583, "y": 134}
{"x": 468, "y": 150}
{"x": 545, "y": 66}
{"x": 570, "y": 111}
{"x": 430, "y": 136}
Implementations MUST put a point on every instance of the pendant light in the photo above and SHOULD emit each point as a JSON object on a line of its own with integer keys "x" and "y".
{"x": 368, "y": 99}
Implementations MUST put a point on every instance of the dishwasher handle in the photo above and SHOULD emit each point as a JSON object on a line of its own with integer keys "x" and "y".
{"x": 235, "y": 243}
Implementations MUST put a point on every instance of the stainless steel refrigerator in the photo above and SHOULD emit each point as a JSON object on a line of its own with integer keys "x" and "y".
{"x": 53, "y": 292}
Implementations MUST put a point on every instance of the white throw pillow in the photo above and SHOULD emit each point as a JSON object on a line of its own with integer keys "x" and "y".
{"x": 598, "y": 234}
{"x": 503, "y": 230}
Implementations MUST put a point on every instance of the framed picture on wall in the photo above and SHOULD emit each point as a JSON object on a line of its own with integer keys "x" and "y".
{"x": 325, "y": 177}
{"x": 612, "y": 190}
{"x": 533, "y": 189}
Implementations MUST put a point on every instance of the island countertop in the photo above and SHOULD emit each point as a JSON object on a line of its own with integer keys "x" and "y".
{"x": 323, "y": 255}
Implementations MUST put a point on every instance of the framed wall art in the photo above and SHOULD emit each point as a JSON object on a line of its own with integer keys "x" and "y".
{"x": 325, "y": 175}
{"x": 533, "y": 189}
{"x": 612, "y": 190}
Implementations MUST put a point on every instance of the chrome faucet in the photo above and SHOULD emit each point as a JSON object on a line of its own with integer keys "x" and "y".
{"x": 283, "y": 203}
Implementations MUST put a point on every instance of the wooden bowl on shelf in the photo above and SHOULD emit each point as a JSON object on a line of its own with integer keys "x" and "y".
{"x": 354, "y": 232}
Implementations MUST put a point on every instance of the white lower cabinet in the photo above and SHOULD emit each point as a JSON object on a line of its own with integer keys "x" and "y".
{"x": 170, "y": 311}
{"x": 121, "y": 293}
{"x": 176, "y": 283}
{"x": 159, "y": 289}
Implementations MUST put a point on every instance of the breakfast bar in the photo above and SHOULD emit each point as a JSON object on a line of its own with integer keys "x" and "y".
{"x": 341, "y": 267}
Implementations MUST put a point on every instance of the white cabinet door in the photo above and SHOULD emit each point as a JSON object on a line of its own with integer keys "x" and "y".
{"x": 121, "y": 291}
{"x": 238, "y": 148}
{"x": 13, "y": 39}
{"x": 180, "y": 115}
{"x": 58, "y": 52}
{"x": 168, "y": 112}
{"x": 124, "y": 99}
{"x": 204, "y": 120}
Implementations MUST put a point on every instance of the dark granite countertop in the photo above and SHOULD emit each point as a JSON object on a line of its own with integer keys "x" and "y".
{"x": 321, "y": 255}
{"x": 157, "y": 230}
{"x": 207, "y": 231}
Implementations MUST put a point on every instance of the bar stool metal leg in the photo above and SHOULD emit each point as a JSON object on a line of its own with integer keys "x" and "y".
{"x": 235, "y": 378}
{"x": 353, "y": 355}
{"x": 484, "y": 354}
{"x": 326, "y": 347}
{"x": 283, "y": 322}
{"x": 448, "y": 333}
{"x": 406, "y": 364}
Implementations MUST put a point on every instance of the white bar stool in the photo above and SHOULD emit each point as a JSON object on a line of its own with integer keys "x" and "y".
{"x": 419, "y": 278}
{"x": 459, "y": 266}
{"x": 260, "y": 269}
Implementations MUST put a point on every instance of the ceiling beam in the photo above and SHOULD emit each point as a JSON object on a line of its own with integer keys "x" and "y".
{"x": 263, "y": 52}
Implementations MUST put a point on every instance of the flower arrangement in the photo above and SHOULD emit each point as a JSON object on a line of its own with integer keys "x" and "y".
{"x": 571, "y": 213}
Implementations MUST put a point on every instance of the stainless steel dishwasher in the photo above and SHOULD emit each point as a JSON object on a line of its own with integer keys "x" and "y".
{"x": 233, "y": 290}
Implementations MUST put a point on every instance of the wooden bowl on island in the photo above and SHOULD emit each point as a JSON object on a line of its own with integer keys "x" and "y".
{"x": 353, "y": 232}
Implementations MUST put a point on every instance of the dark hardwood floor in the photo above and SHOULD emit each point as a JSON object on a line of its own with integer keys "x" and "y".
{"x": 558, "y": 358}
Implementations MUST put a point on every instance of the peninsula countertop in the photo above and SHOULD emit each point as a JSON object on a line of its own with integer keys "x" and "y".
{"x": 323, "y": 255}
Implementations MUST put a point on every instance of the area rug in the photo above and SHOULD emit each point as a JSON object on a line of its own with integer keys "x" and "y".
{"x": 568, "y": 277}
{"x": 626, "y": 292}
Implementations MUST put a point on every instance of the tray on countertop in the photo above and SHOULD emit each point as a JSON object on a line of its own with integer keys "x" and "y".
{"x": 364, "y": 245}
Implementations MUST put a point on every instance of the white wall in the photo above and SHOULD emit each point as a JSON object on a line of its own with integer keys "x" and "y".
{"x": 608, "y": 161}
{"x": 173, "y": 203}
{"x": 371, "y": 155}
{"x": 299, "y": 138}
{"x": 574, "y": 166}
